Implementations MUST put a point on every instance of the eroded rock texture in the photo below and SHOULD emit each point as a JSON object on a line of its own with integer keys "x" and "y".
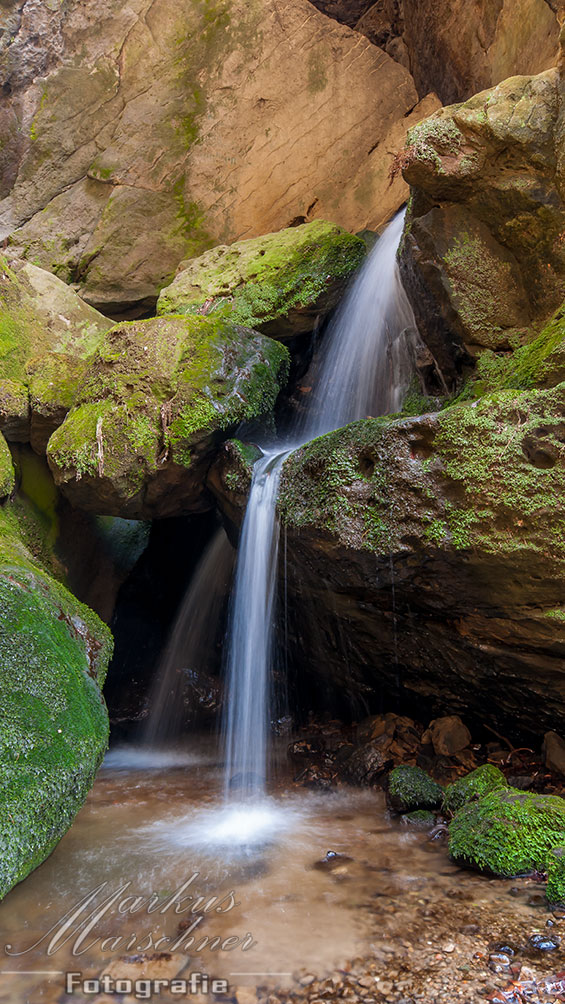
{"x": 457, "y": 47}
{"x": 483, "y": 257}
{"x": 138, "y": 135}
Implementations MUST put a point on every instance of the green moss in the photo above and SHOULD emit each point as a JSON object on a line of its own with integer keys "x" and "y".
{"x": 433, "y": 138}
{"x": 478, "y": 279}
{"x": 261, "y": 282}
{"x": 7, "y": 477}
{"x": 411, "y": 788}
{"x": 162, "y": 389}
{"x": 540, "y": 363}
{"x": 53, "y": 657}
{"x": 555, "y": 865}
{"x": 473, "y": 786}
{"x": 421, "y": 819}
{"x": 507, "y": 832}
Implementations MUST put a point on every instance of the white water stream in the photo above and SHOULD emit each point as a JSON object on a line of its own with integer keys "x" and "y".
{"x": 364, "y": 372}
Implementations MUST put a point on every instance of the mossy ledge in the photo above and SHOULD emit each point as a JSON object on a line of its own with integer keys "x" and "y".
{"x": 277, "y": 284}
{"x": 54, "y": 655}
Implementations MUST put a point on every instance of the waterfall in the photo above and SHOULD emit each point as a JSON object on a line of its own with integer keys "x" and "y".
{"x": 189, "y": 644}
{"x": 364, "y": 372}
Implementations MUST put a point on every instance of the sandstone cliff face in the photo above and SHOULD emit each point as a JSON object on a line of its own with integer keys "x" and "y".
{"x": 457, "y": 47}
{"x": 138, "y": 135}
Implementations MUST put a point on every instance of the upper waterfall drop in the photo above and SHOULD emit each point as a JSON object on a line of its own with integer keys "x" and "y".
{"x": 365, "y": 366}
{"x": 364, "y": 371}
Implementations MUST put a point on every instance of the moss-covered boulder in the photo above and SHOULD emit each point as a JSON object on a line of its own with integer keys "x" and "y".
{"x": 420, "y": 819}
{"x": 538, "y": 363}
{"x": 436, "y": 543}
{"x": 507, "y": 832}
{"x": 7, "y": 476}
{"x": 410, "y": 788}
{"x": 555, "y": 865}
{"x": 278, "y": 284}
{"x": 54, "y": 654}
{"x": 473, "y": 786}
{"x": 483, "y": 257}
{"x": 158, "y": 398}
{"x": 47, "y": 334}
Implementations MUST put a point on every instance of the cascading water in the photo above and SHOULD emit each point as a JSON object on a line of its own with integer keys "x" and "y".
{"x": 189, "y": 646}
{"x": 364, "y": 371}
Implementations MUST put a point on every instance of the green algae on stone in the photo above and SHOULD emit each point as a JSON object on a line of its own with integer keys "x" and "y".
{"x": 54, "y": 653}
{"x": 411, "y": 788}
{"x": 158, "y": 397}
{"x": 47, "y": 334}
{"x": 555, "y": 864}
{"x": 507, "y": 832}
{"x": 473, "y": 786}
{"x": 420, "y": 819}
{"x": 277, "y": 284}
{"x": 7, "y": 476}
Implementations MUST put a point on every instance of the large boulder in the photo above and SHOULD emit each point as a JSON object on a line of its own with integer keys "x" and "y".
{"x": 54, "y": 654}
{"x": 192, "y": 125}
{"x": 158, "y": 398}
{"x": 434, "y": 543}
{"x": 483, "y": 257}
{"x": 47, "y": 334}
{"x": 278, "y": 284}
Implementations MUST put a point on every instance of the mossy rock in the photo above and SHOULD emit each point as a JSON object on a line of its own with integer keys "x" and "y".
{"x": 278, "y": 284}
{"x": 538, "y": 363}
{"x": 507, "y": 832}
{"x": 410, "y": 788}
{"x": 158, "y": 398}
{"x": 7, "y": 476}
{"x": 555, "y": 865}
{"x": 420, "y": 819}
{"x": 54, "y": 654}
{"x": 46, "y": 335}
{"x": 473, "y": 786}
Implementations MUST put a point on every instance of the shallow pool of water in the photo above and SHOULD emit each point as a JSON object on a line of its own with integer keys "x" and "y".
{"x": 154, "y": 847}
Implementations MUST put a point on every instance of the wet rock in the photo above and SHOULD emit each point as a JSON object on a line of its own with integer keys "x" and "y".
{"x": 420, "y": 819}
{"x": 554, "y": 752}
{"x": 332, "y": 861}
{"x": 555, "y": 890}
{"x": 448, "y": 735}
{"x": 367, "y": 764}
{"x": 317, "y": 777}
{"x": 410, "y": 788}
{"x": 480, "y": 781}
{"x": 507, "y": 832}
{"x": 544, "y": 942}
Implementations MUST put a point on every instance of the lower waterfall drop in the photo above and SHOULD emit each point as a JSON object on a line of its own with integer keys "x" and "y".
{"x": 364, "y": 372}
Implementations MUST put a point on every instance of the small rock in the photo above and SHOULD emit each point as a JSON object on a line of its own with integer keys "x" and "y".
{"x": 554, "y": 752}
{"x": 545, "y": 942}
{"x": 332, "y": 861}
{"x": 448, "y": 735}
{"x": 449, "y": 947}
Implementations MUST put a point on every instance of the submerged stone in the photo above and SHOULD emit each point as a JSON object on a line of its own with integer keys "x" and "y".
{"x": 279, "y": 284}
{"x": 158, "y": 398}
{"x": 507, "y": 832}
